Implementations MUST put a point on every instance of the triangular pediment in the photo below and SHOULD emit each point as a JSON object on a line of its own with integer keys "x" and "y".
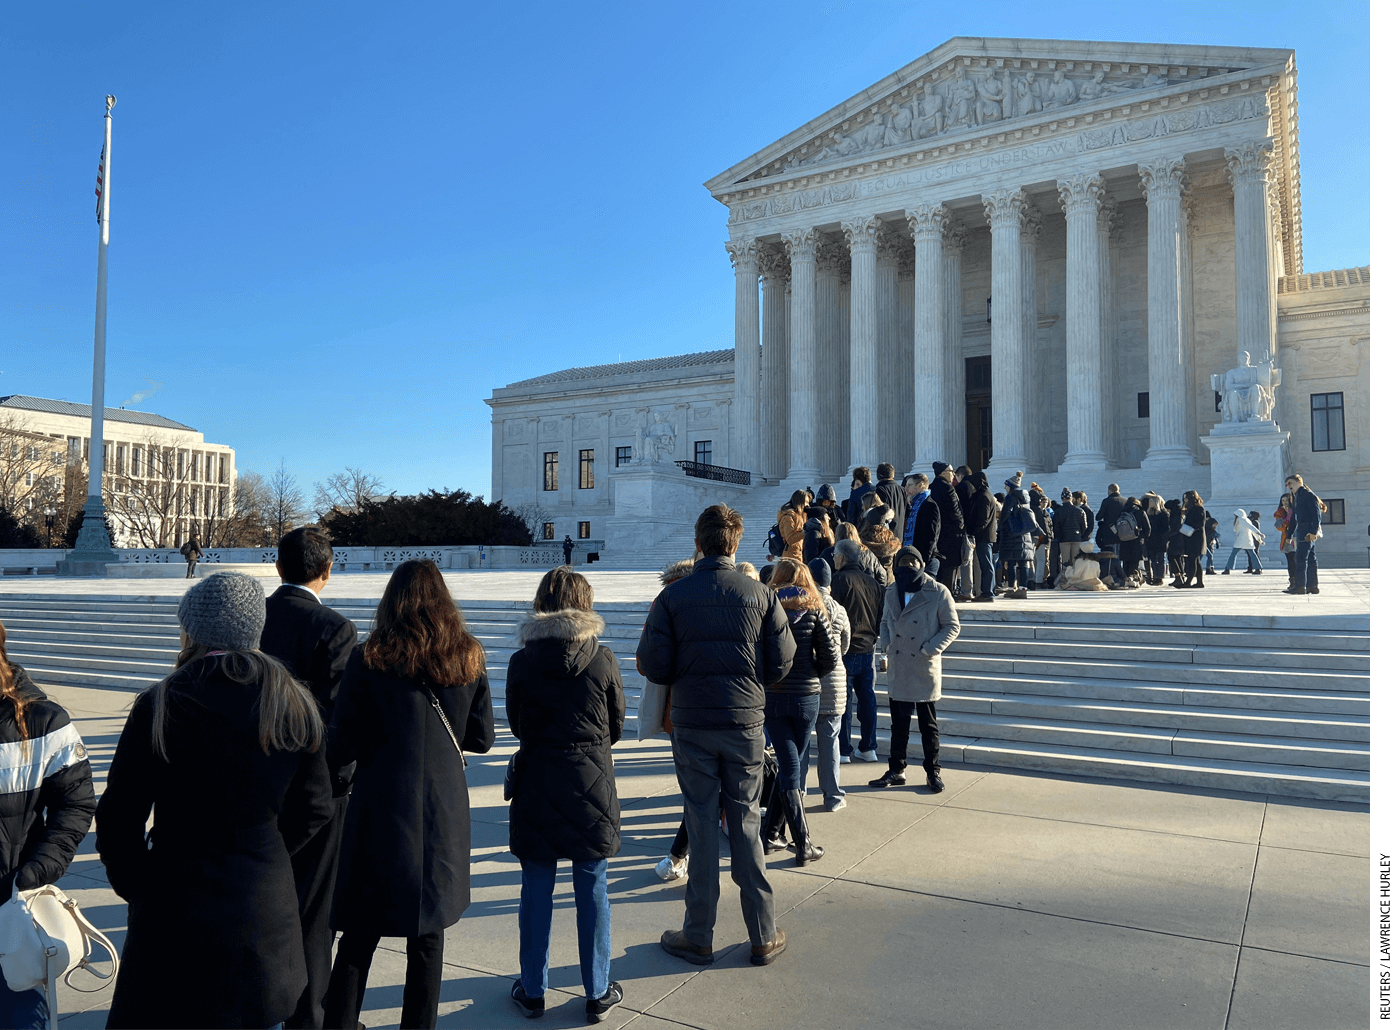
{"x": 973, "y": 86}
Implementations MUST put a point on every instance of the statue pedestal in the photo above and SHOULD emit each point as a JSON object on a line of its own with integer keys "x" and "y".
{"x": 657, "y": 505}
{"x": 1246, "y": 466}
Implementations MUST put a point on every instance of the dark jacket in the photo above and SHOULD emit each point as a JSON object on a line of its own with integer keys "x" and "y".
{"x": 406, "y": 853}
{"x": 717, "y": 639}
{"x": 1195, "y": 517}
{"x": 47, "y": 804}
{"x": 213, "y": 932}
{"x": 565, "y": 704}
{"x": 813, "y": 542}
{"x": 1016, "y": 547}
{"x": 864, "y": 600}
{"x": 927, "y": 528}
{"x": 854, "y": 502}
{"x": 950, "y": 517}
{"x": 1159, "y": 525}
{"x": 1109, "y": 511}
{"x": 981, "y": 512}
{"x": 311, "y": 639}
{"x": 1307, "y": 514}
{"x": 893, "y": 494}
{"x": 816, "y": 653}
{"x": 1070, "y": 523}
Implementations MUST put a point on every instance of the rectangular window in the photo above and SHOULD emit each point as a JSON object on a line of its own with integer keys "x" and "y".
{"x": 703, "y": 452}
{"x": 622, "y": 457}
{"x": 551, "y": 470}
{"x": 1328, "y": 428}
{"x": 585, "y": 469}
{"x": 585, "y": 530}
{"x": 547, "y": 531}
{"x": 1336, "y": 513}
{"x": 1144, "y": 406}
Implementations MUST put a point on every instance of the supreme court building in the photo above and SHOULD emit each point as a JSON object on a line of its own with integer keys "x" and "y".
{"x": 1023, "y": 254}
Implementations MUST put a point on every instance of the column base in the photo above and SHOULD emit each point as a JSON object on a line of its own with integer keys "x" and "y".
{"x": 1169, "y": 458}
{"x": 802, "y": 478}
{"x": 1001, "y": 470}
{"x": 1085, "y": 461}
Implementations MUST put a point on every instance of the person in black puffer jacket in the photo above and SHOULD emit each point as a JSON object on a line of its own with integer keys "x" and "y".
{"x": 44, "y": 812}
{"x": 564, "y": 701}
{"x": 790, "y": 712}
{"x": 1155, "y": 548}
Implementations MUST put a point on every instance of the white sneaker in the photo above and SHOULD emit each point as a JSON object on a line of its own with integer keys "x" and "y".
{"x": 845, "y": 759}
{"x": 672, "y": 868}
{"x": 836, "y": 806}
{"x": 866, "y": 756}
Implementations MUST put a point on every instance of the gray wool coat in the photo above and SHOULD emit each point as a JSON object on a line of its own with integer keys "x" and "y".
{"x": 914, "y": 638}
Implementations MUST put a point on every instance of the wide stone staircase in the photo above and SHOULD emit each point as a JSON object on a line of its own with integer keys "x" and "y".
{"x": 1252, "y": 703}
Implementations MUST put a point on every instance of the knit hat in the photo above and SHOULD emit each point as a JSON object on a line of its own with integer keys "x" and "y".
{"x": 1064, "y": 494}
{"x": 826, "y": 492}
{"x": 1012, "y": 484}
{"x": 224, "y": 611}
{"x": 821, "y": 573}
{"x": 939, "y": 467}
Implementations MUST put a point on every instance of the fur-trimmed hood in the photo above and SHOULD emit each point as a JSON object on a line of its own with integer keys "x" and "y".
{"x": 565, "y": 640}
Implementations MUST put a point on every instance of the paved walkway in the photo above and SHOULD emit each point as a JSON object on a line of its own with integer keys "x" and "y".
{"x": 1010, "y": 900}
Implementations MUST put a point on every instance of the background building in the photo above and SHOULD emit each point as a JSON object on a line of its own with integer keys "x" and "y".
{"x": 162, "y": 481}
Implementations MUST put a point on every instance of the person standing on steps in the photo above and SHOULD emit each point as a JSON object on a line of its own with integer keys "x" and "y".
{"x": 1307, "y": 527}
{"x": 952, "y": 530}
{"x": 568, "y": 549}
{"x": 860, "y": 486}
{"x": 1193, "y": 528}
{"x": 833, "y": 698}
{"x": 718, "y": 639}
{"x": 1244, "y": 537}
{"x": 920, "y": 620}
{"x": 893, "y": 495}
{"x": 192, "y": 555}
{"x": 313, "y": 641}
{"x": 863, "y": 597}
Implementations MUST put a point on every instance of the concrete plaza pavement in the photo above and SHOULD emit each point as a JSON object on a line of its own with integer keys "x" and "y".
{"x": 1007, "y": 901}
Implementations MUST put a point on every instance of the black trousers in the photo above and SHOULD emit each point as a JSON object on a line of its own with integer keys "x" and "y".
{"x": 422, "y": 986}
{"x": 947, "y": 572}
{"x": 314, "y": 868}
{"x": 901, "y": 712}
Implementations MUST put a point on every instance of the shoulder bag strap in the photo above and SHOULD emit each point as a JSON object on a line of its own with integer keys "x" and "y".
{"x": 437, "y": 707}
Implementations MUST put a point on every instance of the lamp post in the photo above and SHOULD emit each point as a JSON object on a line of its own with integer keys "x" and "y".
{"x": 48, "y": 521}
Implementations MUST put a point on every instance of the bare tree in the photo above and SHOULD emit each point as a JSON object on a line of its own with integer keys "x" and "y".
{"x": 35, "y": 475}
{"x": 248, "y": 525}
{"x": 286, "y": 503}
{"x": 534, "y": 516}
{"x": 346, "y": 490}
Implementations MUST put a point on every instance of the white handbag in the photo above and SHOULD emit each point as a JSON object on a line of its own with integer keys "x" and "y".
{"x": 45, "y": 936}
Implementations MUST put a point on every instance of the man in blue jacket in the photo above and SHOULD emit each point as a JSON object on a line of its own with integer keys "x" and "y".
{"x": 718, "y": 639}
{"x": 1307, "y": 525}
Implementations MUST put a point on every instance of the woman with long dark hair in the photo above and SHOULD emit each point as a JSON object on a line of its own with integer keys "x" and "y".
{"x": 46, "y": 806}
{"x": 227, "y": 751}
{"x": 565, "y": 704}
{"x": 413, "y": 699}
{"x": 1193, "y": 523}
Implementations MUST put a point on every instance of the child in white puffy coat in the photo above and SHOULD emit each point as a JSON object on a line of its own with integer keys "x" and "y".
{"x": 1247, "y": 539}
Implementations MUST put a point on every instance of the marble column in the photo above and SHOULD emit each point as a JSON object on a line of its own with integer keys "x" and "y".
{"x": 864, "y": 390}
{"x": 1110, "y": 232}
{"x": 773, "y": 404}
{"x": 887, "y": 414}
{"x": 802, "y": 418}
{"x": 744, "y": 254}
{"x": 1080, "y": 196}
{"x": 603, "y": 459}
{"x": 951, "y": 315}
{"x": 1005, "y": 210}
{"x": 1031, "y": 225}
{"x": 726, "y": 421}
{"x": 498, "y": 459}
{"x": 831, "y": 357}
{"x": 1166, "y": 358}
{"x": 684, "y": 450}
{"x": 568, "y": 463}
{"x": 933, "y": 357}
{"x": 1248, "y": 168}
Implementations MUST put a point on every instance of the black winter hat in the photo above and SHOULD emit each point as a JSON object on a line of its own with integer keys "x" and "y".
{"x": 939, "y": 467}
{"x": 821, "y": 573}
{"x": 826, "y": 492}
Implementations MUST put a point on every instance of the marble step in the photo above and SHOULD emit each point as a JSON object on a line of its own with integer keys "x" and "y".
{"x": 1153, "y": 652}
{"x": 1198, "y": 636}
{"x": 1010, "y": 667}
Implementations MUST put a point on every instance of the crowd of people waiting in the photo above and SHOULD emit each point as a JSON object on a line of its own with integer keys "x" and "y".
{"x": 285, "y": 783}
{"x": 981, "y": 545}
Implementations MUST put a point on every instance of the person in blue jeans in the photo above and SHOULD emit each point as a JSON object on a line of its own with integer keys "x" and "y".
{"x": 565, "y": 704}
{"x": 863, "y": 598}
{"x": 791, "y": 705}
{"x": 1306, "y": 527}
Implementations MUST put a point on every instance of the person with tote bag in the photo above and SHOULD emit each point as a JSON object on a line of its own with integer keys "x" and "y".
{"x": 414, "y": 697}
{"x": 46, "y": 807}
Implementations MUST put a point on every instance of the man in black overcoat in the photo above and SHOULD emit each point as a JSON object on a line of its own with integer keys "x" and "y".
{"x": 315, "y": 642}
{"x": 892, "y": 494}
{"x": 952, "y": 530}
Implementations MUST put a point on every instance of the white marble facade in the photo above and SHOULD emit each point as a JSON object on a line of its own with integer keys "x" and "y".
{"x": 1110, "y": 224}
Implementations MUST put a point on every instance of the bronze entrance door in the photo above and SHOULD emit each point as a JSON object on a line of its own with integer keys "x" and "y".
{"x": 979, "y": 412}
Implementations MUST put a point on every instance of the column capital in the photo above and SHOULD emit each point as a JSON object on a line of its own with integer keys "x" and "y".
{"x": 1081, "y": 194}
{"x": 1004, "y": 207}
{"x": 1163, "y": 178}
{"x": 773, "y": 264}
{"x": 832, "y": 256}
{"x": 928, "y": 221}
{"x": 861, "y": 233}
{"x": 1111, "y": 219}
{"x": 954, "y": 237}
{"x": 801, "y": 244}
{"x": 1249, "y": 163}
{"x": 743, "y": 253}
{"x": 1032, "y": 221}
{"x": 888, "y": 243}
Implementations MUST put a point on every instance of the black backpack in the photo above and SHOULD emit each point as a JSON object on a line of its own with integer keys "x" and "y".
{"x": 776, "y": 544}
{"x": 1126, "y": 527}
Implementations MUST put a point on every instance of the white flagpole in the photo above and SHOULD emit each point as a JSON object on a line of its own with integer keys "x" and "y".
{"x": 93, "y": 551}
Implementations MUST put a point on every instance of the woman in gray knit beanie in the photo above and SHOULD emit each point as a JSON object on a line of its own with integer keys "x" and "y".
{"x": 227, "y": 752}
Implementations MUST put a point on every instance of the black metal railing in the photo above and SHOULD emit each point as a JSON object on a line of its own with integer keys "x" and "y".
{"x": 718, "y": 473}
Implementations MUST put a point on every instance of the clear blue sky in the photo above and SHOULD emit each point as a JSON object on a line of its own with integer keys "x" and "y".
{"x": 337, "y": 226}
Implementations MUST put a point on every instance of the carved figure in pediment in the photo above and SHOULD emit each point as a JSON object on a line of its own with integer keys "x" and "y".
{"x": 1153, "y": 80}
{"x": 1060, "y": 92}
{"x": 840, "y": 146}
{"x": 872, "y": 136}
{"x": 990, "y": 94}
{"x": 962, "y": 98}
{"x": 1027, "y": 94}
{"x": 932, "y": 113}
{"x": 1097, "y": 88}
{"x": 900, "y": 128}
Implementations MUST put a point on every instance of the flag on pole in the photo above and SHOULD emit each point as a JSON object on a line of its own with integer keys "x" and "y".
{"x": 101, "y": 162}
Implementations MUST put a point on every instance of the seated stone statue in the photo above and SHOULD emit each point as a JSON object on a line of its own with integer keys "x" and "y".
{"x": 655, "y": 440}
{"x": 1247, "y": 391}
